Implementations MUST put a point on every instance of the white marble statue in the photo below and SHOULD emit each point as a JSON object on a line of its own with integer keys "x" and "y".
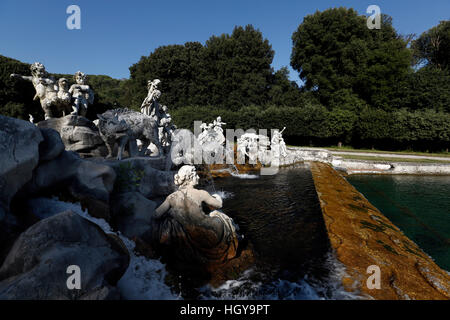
{"x": 150, "y": 105}
{"x": 46, "y": 89}
{"x": 212, "y": 132}
{"x": 81, "y": 93}
{"x": 277, "y": 145}
{"x": 181, "y": 222}
{"x": 63, "y": 93}
{"x": 166, "y": 128}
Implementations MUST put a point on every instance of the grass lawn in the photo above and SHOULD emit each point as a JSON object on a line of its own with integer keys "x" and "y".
{"x": 393, "y": 159}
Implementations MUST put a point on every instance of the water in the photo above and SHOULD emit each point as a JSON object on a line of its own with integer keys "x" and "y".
{"x": 418, "y": 205}
{"x": 281, "y": 218}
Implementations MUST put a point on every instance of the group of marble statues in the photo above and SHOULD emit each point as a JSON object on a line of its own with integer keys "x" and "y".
{"x": 56, "y": 97}
{"x": 122, "y": 126}
{"x": 212, "y": 132}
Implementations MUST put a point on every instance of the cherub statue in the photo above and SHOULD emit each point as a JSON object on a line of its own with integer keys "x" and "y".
{"x": 150, "y": 105}
{"x": 81, "y": 93}
{"x": 45, "y": 86}
{"x": 64, "y": 95}
{"x": 181, "y": 226}
{"x": 218, "y": 125}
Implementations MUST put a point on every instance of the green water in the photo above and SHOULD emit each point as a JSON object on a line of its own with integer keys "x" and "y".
{"x": 418, "y": 205}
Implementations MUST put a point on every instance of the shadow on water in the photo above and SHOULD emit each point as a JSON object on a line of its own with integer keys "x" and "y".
{"x": 280, "y": 216}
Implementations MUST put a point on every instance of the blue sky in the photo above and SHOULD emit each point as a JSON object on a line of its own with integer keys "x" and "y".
{"x": 115, "y": 34}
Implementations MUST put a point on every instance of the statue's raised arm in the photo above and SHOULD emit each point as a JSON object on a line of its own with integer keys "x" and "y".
{"x": 21, "y": 77}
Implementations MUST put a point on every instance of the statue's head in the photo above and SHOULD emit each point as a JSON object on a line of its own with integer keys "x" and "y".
{"x": 63, "y": 83}
{"x": 219, "y": 119}
{"x": 38, "y": 70}
{"x": 186, "y": 176}
{"x": 80, "y": 77}
{"x": 165, "y": 109}
{"x": 153, "y": 84}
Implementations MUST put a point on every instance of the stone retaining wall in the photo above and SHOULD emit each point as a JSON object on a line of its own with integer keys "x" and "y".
{"x": 361, "y": 236}
{"x": 350, "y": 166}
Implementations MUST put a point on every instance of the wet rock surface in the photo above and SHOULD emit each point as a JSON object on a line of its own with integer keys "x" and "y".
{"x": 36, "y": 266}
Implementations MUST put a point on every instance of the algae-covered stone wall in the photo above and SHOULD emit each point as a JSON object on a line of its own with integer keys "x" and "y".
{"x": 362, "y": 236}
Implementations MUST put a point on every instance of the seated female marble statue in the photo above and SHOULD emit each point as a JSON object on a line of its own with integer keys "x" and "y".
{"x": 185, "y": 232}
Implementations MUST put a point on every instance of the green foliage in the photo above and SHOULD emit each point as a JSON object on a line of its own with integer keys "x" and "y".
{"x": 360, "y": 88}
{"x": 427, "y": 88}
{"x": 314, "y": 124}
{"x": 16, "y": 97}
{"x": 179, "y": 68}
{"x": 333, "y": 50}
{"x": 433, "y": 46}
{"x": 128, "y": 178}
{"x": 231, "y": 71}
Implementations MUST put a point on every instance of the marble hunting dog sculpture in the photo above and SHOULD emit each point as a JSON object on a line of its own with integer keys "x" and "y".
{"x": 139, "y": 126}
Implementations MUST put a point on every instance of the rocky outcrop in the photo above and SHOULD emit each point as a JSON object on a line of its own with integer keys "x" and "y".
{"x": 88, "y": 182}
{"x": 36, "y": 266}
{"x": 52, "y": 146}
{"x": 142, "y": 174}
{"x": 78, "y": 134}
{"x": 19, "y": 150}
{"x": 362, "y": 236}
{"x": 132, "y": 213}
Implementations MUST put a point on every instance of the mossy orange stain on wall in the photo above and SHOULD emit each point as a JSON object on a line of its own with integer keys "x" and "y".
{"x": 362, "y": 236}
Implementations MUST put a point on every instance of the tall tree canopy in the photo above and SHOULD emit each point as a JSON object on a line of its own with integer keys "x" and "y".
{"x": 337, "y": 55}
{"x": 433, "y": 46}
{"x": 177, "y": 66}
{"x": 237, "y": 68}
{"x": 230, "y": 70}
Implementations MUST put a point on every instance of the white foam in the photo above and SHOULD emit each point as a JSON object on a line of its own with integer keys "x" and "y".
{"x": 246, "y": 288}
{"x": 244, "y": 175}
{"x": 225, "y": 194}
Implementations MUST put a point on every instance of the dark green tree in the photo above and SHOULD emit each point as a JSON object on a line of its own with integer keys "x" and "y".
{"x": 178, "y": 67}
{"x": 237, "y": 68}
{"x": 334, "y": 50}
{"x": 433, "y": 46}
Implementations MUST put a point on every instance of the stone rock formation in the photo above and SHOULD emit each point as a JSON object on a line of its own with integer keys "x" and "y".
{"x": 132, "y": 213}
{"x": 36, "y": 266}
{"x": 86, "y": 181}
{"x": 19, "y": 149}
{"x": 78, "y": 134}
{"x": 143, "y": 175}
